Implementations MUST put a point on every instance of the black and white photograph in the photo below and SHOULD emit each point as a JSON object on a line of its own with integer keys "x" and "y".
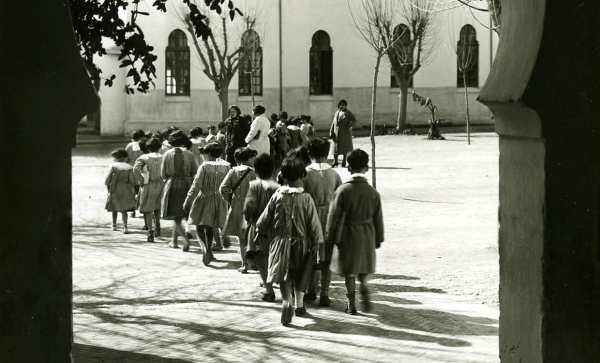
{"x": 412, "y": 181}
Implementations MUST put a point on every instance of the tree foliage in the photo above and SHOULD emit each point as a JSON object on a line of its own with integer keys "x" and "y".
{"x": 94, "y": 20}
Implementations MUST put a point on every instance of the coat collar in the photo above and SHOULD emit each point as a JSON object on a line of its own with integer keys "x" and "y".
{"x": 287, "y": 190}
{"x": 319, "y": 166}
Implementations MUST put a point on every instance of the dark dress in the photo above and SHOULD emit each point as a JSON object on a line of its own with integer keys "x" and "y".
{"x": 342, "y": 121}
{"x": 237, "y": 130}
{"x": 178, "y": 168}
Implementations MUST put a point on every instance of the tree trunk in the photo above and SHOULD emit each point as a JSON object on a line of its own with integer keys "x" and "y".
{"x": 252, "y": 86}
{"x": 224, "y": 97}
{"x": 403, "y": 103}
{"x": 467, "y": 106}
{"x": 373, "y": 103}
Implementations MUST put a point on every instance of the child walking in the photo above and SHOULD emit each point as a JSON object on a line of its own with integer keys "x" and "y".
{"x": 320, "y": 183}
{"x": 292, "y": 221}
{"x": 120, "y": 182}
{"x": 233, "y": 190}
{"x": 207, "y": 208}
{"x": 178, "y": 168}
{"x": 362, "y": 230}
{"x": 259, "y": 194}
{"x": 150, "y": 194}
{"x": 134, "y": 151}
{"x": 197, "y": 142}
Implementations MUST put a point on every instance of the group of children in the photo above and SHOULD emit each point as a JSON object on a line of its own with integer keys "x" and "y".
{"x": 306, "y": 222}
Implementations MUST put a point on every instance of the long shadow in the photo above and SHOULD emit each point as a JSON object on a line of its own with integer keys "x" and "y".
{"x": 272, "y": 339}
{"x": 90, "y": 353}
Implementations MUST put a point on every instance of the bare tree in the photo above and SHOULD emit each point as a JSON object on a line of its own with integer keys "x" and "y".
{"x": 219, "y": 53}
{"x": 253, "y": 31}
{"x": 372, "y": 20}
{"x": 466, "y": 59}
{"x": 494, "y": 7}
{"x": 414, "y": 34}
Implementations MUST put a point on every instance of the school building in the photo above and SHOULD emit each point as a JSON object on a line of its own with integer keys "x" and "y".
{"x": 311, "y": 57}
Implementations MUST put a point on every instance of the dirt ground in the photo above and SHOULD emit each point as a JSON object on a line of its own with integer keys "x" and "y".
{"x": 440, "y": 201}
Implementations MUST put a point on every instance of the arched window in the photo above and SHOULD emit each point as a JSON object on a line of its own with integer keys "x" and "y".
{"x": 402, "y": 53}
{"x": 467, "y": 57}
{"x": 177, "y": 70}
{"x": 251, "y": 64}
{"x": 321, "y": 64}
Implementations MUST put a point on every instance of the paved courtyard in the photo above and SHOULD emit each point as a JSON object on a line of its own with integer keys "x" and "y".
{"x": 435, "y": 290}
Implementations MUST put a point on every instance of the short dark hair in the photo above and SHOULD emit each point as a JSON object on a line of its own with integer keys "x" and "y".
{"x": 243, "y": 154}
{"x": 153, "y": 145}
{"x": 213, "y": 149}
{"x": 357, "y": 159}
{"x": 292, "y": 169}
{"x": 196, "y": 131}
{"x": 143, "y": 147}
{"x": 318, "y": 148}
{"x": 342, "y": 102}
{"x": 178, "y": 139}
{"x": 273, "y": 117}
{"x": 237, "y": 109}
{"x": 138, "y": 135}
{"x": 264, "y": 166}
{"x": 119, "y": 153}
{"x": 283, "y": 115}
{"x": 301, "y": 153}
{"x": 258, "y": 109}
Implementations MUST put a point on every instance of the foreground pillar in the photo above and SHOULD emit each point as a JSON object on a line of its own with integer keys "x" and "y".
{"x": 46, "y": 91}
{"x": 544, "y": 91}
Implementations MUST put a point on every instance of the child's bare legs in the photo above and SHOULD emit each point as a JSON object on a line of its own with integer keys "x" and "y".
{"x": 124, "y": 218}
{"x": 149, "y": 219}
{"x": 179, "y": 231}
{"x": 351, "y": 293}
{"x": 205, "y": 235}
{"x": 243, "y": 246}
{"x": 157, "y": 221}
{"x": 364, "y": 293}
{"x": 114, "y": 220}
{"x": 262, "y": 262}
{"x": 287, "y": 308}
{"x": 311, "y": 292}
{"x": 217, "y": 238}
{"x": 325, "y": 282}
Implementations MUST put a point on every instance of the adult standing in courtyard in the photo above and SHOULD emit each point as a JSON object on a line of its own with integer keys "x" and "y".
{"x": 341, "y": 132}
{"x": 236, "y": 129}
{"x": 258, "y": 137}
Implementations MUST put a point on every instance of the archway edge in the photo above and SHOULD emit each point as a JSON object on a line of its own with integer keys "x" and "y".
{"x": 522, "y": 28}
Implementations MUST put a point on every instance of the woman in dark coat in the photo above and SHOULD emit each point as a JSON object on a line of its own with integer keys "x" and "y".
{"x": 341, "y": 132}
{"x": 237, "y": 128}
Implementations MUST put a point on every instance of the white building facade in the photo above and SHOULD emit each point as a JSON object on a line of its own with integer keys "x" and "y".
{"x": 301, "y": 73}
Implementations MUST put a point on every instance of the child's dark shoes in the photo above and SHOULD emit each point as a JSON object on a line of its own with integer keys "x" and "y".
{"x": 324, "y": 300}
{"x": 300, "y": 311}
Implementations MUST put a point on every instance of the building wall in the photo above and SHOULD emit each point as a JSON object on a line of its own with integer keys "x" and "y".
{"x": 353, "y": 66}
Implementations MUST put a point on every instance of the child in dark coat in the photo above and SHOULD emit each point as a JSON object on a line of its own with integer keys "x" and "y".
{"x": 292, "y": 221}
{"x": 362, "y": 230}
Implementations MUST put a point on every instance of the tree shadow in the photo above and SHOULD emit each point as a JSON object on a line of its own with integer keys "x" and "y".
{"x": 90, "y": 353}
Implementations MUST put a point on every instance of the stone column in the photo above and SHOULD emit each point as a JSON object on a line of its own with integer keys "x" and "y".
{"x": 46, "y": 91}
{"x": 544, "y": 92}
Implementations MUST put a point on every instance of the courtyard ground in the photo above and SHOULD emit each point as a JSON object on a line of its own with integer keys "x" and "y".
{"x": 435, "y": 290}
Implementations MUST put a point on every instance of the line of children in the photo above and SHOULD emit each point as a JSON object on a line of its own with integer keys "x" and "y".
{"x": 291, "y": 228}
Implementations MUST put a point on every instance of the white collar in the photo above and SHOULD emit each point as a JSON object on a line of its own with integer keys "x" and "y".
{"x": 358, "y": 175}
{"x": 289, "y": 190}
{"x": 293, "y": 127}
{"x": 220, "y": 162}
{"x": 241, "y": 167}
{"x": 319, "y": 166}
{"x": 266, "y": 184}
